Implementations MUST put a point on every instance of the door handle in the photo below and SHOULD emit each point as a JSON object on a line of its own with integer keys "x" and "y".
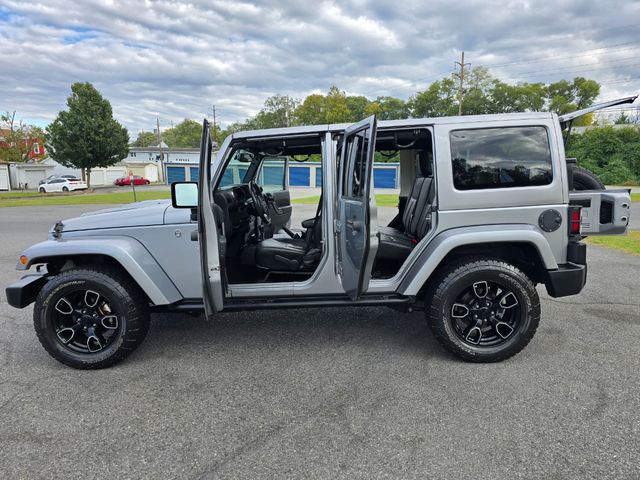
{"x": 355, "y": 225}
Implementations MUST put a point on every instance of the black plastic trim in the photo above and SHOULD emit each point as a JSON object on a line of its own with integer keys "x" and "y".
{"x": 577, "y": 253}
{"x": 567, "y": 279}
{"x": 23, "y": 292}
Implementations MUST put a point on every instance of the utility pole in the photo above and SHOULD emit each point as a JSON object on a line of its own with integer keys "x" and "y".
{"x": 460, "y": 75}
{"x": 160, "y": 149}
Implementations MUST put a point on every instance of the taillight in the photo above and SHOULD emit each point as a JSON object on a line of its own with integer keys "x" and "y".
{"x": 574, "y": 220}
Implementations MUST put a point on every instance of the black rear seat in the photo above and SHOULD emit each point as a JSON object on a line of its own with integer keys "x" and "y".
{"x": 395, "y": 244}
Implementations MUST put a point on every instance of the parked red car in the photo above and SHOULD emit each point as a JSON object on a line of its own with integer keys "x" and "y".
{"x": 137, "y": 180}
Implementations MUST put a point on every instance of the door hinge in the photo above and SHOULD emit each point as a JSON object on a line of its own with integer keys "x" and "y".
{"x": 337, "y": 226}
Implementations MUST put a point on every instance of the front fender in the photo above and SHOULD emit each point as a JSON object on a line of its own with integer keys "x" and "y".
{"x": 127, "y": 251}
{"x": 431, "y": 257}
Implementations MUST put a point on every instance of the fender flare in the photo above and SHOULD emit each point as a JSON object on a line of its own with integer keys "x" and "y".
{"x": 132, "y": 256}
{"x": 443, "y": 243}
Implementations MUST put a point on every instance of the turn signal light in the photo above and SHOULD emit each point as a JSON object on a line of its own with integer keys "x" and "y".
{"x": 23, "y": 259}
{"x": 574, "y": 220}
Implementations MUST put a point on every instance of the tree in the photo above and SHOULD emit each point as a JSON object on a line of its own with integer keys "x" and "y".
{"x": 186, "y": 134}
{"x": 277, "y": 112}
{"x": 86, "y": 135}
{"x": 311, "y": 111}
{"x": 17, "y": 138}
{"x": 145, "y": 139}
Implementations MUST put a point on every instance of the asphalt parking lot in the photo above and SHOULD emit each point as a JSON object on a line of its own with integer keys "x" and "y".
{"x": 341, "y": 393}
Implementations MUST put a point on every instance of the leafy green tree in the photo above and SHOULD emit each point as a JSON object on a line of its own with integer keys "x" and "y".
{"x": 611, "y": 153}
{"x": 278, "y": 111}
{"x": 357, "y": 106}
{"x": 86, "y": 135}
{"x": 146, "y": 139}
{"x": 388, "y": 108}
{"x": 438, "y": 100}
{"x": 185, "y": 134}
{"x": 336, "y": 107}
{"x": 311, "y": 111}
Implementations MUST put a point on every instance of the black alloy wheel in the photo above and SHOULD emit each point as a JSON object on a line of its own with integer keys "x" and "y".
{"x": 85, "y": 321}
{"x": 482, "y": 309}
{"x": 91, "y": 317}
{"x": 485, "y": 314}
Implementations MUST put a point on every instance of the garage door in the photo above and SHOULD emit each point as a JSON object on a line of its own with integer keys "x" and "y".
{"x": 318, "y": 177}
{"x": 194, "y": 173}
{"x": 299, "y": 176}
{"x": 175, "y": 174}
{"x": 111, "y": 175}
{"x": 384, "y": 177}
{"x": 32, "y": 177}
{"x": 4, "y": 179}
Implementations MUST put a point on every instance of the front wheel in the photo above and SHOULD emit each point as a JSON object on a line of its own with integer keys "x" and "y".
{"x": 90, "y": 317}
{"x": 483, "y": 309}
{"x": 42, "y": 190}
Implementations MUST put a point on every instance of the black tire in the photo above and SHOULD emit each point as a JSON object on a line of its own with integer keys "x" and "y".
{"x": 583, "y": 179}
{"x": 42, "y": 190}
{"x": 459, "y": 280}
{"x": 124, "y": 301}
{"x": 65, "y": 189}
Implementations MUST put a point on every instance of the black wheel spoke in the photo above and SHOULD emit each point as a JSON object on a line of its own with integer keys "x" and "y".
{"x": 459, "y": 310}
{"x": 481, "y": 289}
{"x": 64, "y": 306}
{"x": 91, "y": 298}
{"x": 503, "y": 329}
{"x": 473, "y": 335}
{"x": 95, "y": 342}
{"x": 509, "y": 300}
{"x": 110, "y": 322}
{"x": 66, "y": 334}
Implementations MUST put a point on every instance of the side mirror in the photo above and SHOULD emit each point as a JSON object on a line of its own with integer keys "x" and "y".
{"x": 184, "y": 194}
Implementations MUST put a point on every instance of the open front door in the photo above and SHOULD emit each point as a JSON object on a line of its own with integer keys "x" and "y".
{"x": 208, "y": 235}
{"x": 356, "y": 246}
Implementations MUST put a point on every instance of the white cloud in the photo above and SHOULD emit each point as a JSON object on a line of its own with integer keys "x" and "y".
{"x": 174, "y": 60}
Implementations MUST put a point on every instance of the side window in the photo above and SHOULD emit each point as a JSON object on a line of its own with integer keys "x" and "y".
{"x": 272, "y": 174}
{"x": 356, "y": 156}
{"x": 500, "y": 157}
{"x": 235, "y": 170}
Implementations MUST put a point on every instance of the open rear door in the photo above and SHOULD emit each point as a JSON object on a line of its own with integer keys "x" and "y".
{"x": 356, "y": 246}
{"x": 211, "y": 266}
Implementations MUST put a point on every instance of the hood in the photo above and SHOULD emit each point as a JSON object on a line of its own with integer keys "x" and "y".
{"x": 149, "y": 212}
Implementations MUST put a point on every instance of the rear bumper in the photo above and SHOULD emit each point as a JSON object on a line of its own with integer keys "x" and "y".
{"x": 567, "y": 279}
{"x": 24, "y": 291}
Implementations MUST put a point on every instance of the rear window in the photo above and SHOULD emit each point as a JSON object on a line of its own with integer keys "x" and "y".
{"x": 500, "y": 157}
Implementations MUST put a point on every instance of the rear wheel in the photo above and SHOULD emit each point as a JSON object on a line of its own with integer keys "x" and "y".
{"x": 583, "y": 179}
{"x": 42, "y": 190}
{"x": 483, "y": 309}
{"x": 65, "y": 189}
{"x": 90, "y": 317}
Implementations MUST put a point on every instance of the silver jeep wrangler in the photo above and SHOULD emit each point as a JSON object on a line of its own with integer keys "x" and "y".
{"x": 488, "y": 209}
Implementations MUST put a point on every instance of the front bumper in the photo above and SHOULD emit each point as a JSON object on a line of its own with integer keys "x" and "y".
{"x": 567, "y": 279}
{"x": 24, "y": 291}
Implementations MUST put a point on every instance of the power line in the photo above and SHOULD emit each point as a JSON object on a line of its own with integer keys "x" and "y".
{"x": 579, "y": 71}
{"x": 573, "y": 67}
{"x": 563, "y": 56}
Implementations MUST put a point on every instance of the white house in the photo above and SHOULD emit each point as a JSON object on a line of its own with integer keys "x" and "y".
{"x": 27, "y": 175}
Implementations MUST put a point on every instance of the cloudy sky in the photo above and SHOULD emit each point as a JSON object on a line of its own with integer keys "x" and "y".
{"x": 174, "y": 60}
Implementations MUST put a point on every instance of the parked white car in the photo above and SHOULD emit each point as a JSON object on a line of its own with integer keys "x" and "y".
{"x": 62, "y": 185}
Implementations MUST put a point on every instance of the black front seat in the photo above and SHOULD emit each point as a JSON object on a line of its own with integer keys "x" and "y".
{"x": 396, "y": 244}
{"x": 292, "y": 254}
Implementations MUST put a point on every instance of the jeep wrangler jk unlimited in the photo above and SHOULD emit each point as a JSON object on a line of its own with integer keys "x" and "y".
{"x": 487, "y": 210}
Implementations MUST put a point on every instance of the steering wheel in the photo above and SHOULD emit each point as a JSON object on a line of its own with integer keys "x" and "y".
{"x": 259, "y": 204}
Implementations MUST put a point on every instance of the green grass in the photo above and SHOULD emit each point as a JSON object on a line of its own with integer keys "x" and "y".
{"x": 81, "y": 199}
{"x": 629, "y": 243}
{"x": 382, "y": 200}
{"x": 18, "y": 194}
{"x": 635, "y": 197}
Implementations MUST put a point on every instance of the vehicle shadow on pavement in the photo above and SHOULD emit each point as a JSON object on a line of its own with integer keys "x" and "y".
{"x": 317, "y": 330}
